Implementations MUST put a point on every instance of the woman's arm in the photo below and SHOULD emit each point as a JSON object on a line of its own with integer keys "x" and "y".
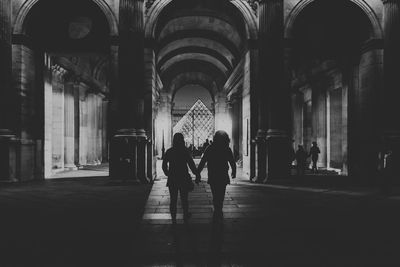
{"x": 201, "y": 166}
{"x": 191, "y": 164}
{"x": 232, "y": 163}
{"x": 165, "y": 165}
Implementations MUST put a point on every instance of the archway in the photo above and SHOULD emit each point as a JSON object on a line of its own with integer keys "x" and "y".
{"x": 63, "y": 72}
{"x": 336, "y": 67}
{"x": 201, "y": 44}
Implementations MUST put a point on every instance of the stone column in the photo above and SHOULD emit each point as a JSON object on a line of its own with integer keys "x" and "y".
{"x": 231, "y": 115}
{"x": 273, "y": 145}
{"x": 90, "y": 129}
{"x": 364, "y": 133}
{"x": 104, "y": 136}
{"x": 391, "y": 93}
{"x": 69, "y": 124}
{"x": 58, "y": 144}
{"x": 164, "y": 123}
{"x": 99, "y": 126}
{"x": 128, "y": 143}
{"x": 7, "y": 98}
{"x": 83, "y": 125}
{"x": 319, "y": 127}
{"x": 237, "y": 118}
{"x": 222, "y": 118}
{"x": 77, "y": 123}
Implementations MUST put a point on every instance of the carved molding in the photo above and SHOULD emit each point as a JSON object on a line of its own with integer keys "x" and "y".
{"x": 148, "y": 5}
{"x": 254, "y": 5}
{"x": 390, "y": 1}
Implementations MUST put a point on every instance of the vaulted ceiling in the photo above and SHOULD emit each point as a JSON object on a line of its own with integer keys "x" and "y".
{"x": 198, "y": 42}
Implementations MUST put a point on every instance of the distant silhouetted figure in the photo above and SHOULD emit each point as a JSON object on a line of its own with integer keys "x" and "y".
{"x": 292, "y": 154}
{"x": 388, "y": 171}
{"x": 205, "y": 145}
{"x": 217, "y": 156}
{"x": 301, "y": 159}
{"x": 174, "y": 165}
{"x": 314, "y": 153}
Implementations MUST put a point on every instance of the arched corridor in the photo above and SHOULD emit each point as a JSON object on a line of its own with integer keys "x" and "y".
{"x": 98, "y": 84}
{"x": 92, "y": 92}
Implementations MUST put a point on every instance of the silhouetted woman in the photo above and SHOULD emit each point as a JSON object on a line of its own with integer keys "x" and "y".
{"x": 175, "y": 163}
{"x": 217, "y": 156}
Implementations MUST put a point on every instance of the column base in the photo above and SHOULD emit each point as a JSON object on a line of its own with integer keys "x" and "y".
{"x": 278, "y": 155}
{"x": 70, "y": 167}
{"x": 128, "y": 156}
{"x": 261, "y": 157}
{"x": 8, "y": 157}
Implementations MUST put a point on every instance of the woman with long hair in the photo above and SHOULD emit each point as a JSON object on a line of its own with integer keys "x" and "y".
{"x": 175, "y": 166}
{"x": 218, "y": 157}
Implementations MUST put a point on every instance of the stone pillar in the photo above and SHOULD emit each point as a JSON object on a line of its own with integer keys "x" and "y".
{"x": 164, "y": 123}
{"x": 95, "y": 129}
{"x": 77, "y": 123}
{"x": 104, "y": 136}
{"x": 128, "y": 143}
{"x": 69, "y": 124}
{"x": 90, "y": 129}
{"x": 58, "y": 144}
{"x": 319, "y": 131}
{"x": 222, "y": 119}
{"x": 365, "y": 117}
{"x": 48, "y": 119}
{"x": 83, "y": 125}
{"x": 99, "y": 143}
{"x": 231, "y": 115}
{"x": 391, "y": 92}
{"x": 273, "y": 145}
{"x": 7, "y": 97}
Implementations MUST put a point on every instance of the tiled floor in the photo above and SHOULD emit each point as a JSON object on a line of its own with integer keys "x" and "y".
{"x": 272, "y": 226}
{"x": 95, "y": 222}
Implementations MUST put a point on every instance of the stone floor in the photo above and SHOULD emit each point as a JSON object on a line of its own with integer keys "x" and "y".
{"x": 95, "y": 222}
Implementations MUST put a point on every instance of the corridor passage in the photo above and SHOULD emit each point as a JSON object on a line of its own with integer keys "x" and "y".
{"x": 98, "y": 222}
{"x": 272, "y": 225}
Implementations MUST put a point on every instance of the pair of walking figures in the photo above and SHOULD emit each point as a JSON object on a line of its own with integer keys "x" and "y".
{"x": 218, "y": 157}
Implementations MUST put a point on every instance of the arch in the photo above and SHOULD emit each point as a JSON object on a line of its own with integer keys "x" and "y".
{"x": 300, "y": 6}
{"x": 199, "y": 43}
{"x": 209, "y": 90}
{"x": 244, "y": 8}
{"x": 192, "y": 23}
{"x": 28, "y": 4}
{"x": 195, "y": 56}
{"x": 194, "y": 78}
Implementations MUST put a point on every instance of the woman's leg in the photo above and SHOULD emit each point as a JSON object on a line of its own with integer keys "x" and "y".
{"x": 173, "y": 195}
{"x": 214, "y": 192}
{"x": 218, "y": 192}
{"x": 222, "y": 197}
{"x": 184, "y": 200}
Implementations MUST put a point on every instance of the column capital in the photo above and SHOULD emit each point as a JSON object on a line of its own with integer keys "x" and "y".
{"x": 59, "y": 71}
{"x": 131, "y": 133}
{"x": 277, "y": 133}
{"x": 390, "y": 1}
{"x": 265, "y": 1}
{"x": 261, "y": 135}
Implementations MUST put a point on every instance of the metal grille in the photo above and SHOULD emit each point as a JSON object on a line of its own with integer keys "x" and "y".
{"x": 196, "y": 125}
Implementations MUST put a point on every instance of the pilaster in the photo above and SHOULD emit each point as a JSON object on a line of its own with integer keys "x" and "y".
{"x": 272, "y": 141}
{"x": 391, "y": 92}
{"x": 128, "y": 144}
{"x": 69, "y": 124}
{"x": 8, "y": 140}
